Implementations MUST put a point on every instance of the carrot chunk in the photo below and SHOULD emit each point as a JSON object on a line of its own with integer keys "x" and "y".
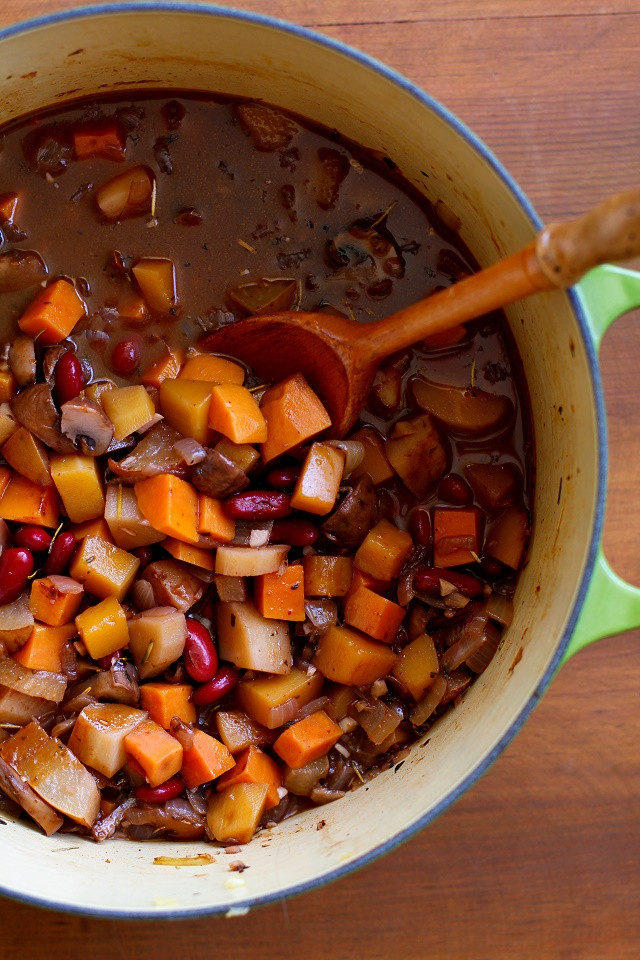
{"x": 280, "y": 596}
{"x": 234, "y": 412}
{"x": 156, "y": 751}
{"x": 53, "y": 313}
{"x": 374, "y": 615}
{"x": 308, "y": 739}
{"x": 26, "y": 502}
{"x": 164, "y": 701}
{"x": 254, "y": 766}
{"x": 42, "y": 649}
{"x": 204, "y": 760}
{"x": 170, "y": 504}
{"x": 456, "y": 536}
{"x": 294, "y": 414}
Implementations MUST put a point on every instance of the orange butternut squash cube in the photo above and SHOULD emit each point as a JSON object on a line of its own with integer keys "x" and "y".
{"x": 8, "y": 385}
{"x": 164, "y": 701}
{"x": 507, "y": 537}
{"x": 242, "y": 454}
{"x": 213, "y": 369}
{"x": 280, "y": 595}
{"x": 55, "y": 600}
{"x": 44, "y": 646}
{"x": 28, "y": 456}
{"x": 383, "y": 551}
{"x": 345, "y": 656}
{"x": 97, "y": 527}
{"x": 374, "y": 615}
{"x": 156, "y": 277}
{"x": 263, "y": 697}
{"x": 79, "y": 485}
{"x": 327, "y": 576}
{"x": 375, "y": 462}
{"x": 170, "y": 504}
{"x": 307, "y": 740}
{"x": 128, "y": 408}
{"x": 197, "y": 556}
{"x": 254, "y": 766}
{"x": 234, "y": 413}
{"x": 127, "y": 525}
{"x": 156, "y": 751}
{"x": 167, "y": 367}
{"x": 234, "y": 814}
{"x": 204, "y": 760}
{"x": 185, "y": 406}
{"x": 456, "y": 536}
{"x": 26, "y": 502}
{"x": 417, "y": 665}
{"x": 213, "y": 521}
{"x": 104, "y": 570}
{"x": 294, "y": 414}
{"x": 103, "y": 629}
{"x": 316, "y": 489}
{"x": 53, "y": 313}
{"x": 98, "y": 736}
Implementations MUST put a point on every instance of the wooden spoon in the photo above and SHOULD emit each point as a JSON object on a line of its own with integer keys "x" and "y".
{"x": 339, "y": 357}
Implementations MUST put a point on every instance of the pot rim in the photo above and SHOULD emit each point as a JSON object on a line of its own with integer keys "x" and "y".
{"x": 477, "y": 144}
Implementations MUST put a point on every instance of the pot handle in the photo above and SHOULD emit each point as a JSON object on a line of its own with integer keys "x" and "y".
{"x": 611, "y": 606}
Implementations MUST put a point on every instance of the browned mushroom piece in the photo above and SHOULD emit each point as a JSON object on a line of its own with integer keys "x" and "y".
{"x": 49, "y": 359}
{"x": 355, "y": 516}
{"x": 34, "y": 409}
{"x": 86, "y": 424}
{"x": 119, "y": 684}
{"x": 20, "y": 269}
{"x": 218, "y": 477}
{"x": 22, "y": 361}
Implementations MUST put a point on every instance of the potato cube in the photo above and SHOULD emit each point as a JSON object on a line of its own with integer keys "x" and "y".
{"x": 383, "y": 551}
{"x": 128, "y": 408}
{"x": 104, "y": 570}
{"x": 316, "y": 490}
{"x": 16, "y": 624}
{"x": 98, "y": 736}
{"x": 28, "y": 455}
{"x": 417, "y": 665}
{"x": 156, "y": 639}
{"x": 262, "y": 698}
{"x": 185, "y": 406}
{"x": 79, "y": 484}
{"x": 250, "y": 640}
{"x": 234, "y": 814}
{"x": 103, "y": 628}
{"x": 127, "y": 524}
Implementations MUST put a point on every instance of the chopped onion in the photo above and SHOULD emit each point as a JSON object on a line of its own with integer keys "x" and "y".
{"x": 190, "y": 450}
{"x": 406, "y": 593}
{"x": 425, "y": 707}
{"x": 353, "y": 454}
{"x": 35, "y": 683}
{"x": 500, "y": 608}
{"x": 312, "y": 707}
{"x": 283, "y": 713}
{"x": 156, "y": 418}
{"x": 480, "y": 659}
{"x": 195, "y": 860}
{"x": 259, "y": 537}
{"x": 321, "y": 613}
{"x": 245, "y": 530}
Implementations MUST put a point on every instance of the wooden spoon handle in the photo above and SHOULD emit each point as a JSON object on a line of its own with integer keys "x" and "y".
{"x": 559, "y": 256}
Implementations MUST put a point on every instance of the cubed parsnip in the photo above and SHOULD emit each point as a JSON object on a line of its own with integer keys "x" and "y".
{"x": 156, "y": 639}
{"x": 250, "y": 561}
{"x": 164, "y": 701}
{"x": 79, "y": 485}
{"x": 234, "y": 412}
{"x": 156, "y": 277}
{"x": 127, "y": 524}
{"x": 345, "y": 656}
{"x": 383, "y": 551}
{"x": 156, "y": 751}
{"x": 417, "y": 665}
{"x": 170, "y": 504}
{"x": 234, "y": 814}
{"x": 262, "y": 698}
{"x": 294, "y": 414}
{"x": 28, "y": 456}
{"x": 55, "y": 600}
{"x": 185, "y": 406}
{"x": 213, "y": 369}
{"x": 327, "y": 576}
{"x": 213, "y": 521}
{"x": 16, "y": 623}
{"x": 103, "y": 628}
{"x": 43, "y": 649}
{"x": 249, "y": 640}
{"x": 27, "y": 502}
{"x": 103, "y": 570}
{"x": 128, "y": 408}
{"x": 316, "y": 489}
{"x": 56, "y": 775}
{"x": 98, "y": 735}
{"x": 242, "y": 454}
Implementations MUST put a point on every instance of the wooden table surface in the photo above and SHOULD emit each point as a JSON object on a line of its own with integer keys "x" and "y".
{"x": 542, "y": 858}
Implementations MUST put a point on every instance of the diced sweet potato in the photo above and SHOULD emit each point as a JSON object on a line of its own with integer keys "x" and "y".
{"x": 417, "y": 665}
{"x": 327, "y": 576}
{"x": 128, "y": 408}
{"x": 43, "y": 649}
{"x": 126, "y": 523}
{"x": 456, "y": 536}
{"x": 185, "y": 406}
{"x": 8, "y": 385}
{"x": 20, "y": 708}
{"x": 53, "y": 313}
{"x": 204, "y": 758}
{"x": 28, "y": 456}
{"x": 103, "y": 628}
{"x": 234, "y": 413}
{"x": 416, "y": 453}
{"x": 305, "y": 741}
{"x": 249, "y": 640}
{"x": 97, "y": 738}
{"x": 374, "y": 615}
{"x": 26, "y": 502}
{"x": 345, "y": 656}
{"x": 264, "y": 698}
{"x": 79, "y": 485}
{"x": 494, "y": 484}
{"x": 156, "y": 639}
{"x": 156, "y": 751}
{"x": 55, "y": 600}
{"x": 170, "y": 504}
{"x": 280, "y": 596}
{"x": 383, "y": 551}
{"x": 101, "y": 138}
{"x": 187, "y": 553}
{"x": 164, "y": 701}
{"x": 316, "y": 489}
{"x": 167, "y": 367}
{"x": 254, "y": 766}
{"x": 103, "y": 570}
{"x": 213, "y": 521}
{"x": 294, "y": 414}
{"x": 234, "y": 814}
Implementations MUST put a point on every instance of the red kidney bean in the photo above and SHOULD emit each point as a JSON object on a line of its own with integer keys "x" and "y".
{"x": 68, "y": 378}
{"x": 225, "y": 680}
{"x": 258, "y": 505}
{"x": 16, "y": 566}
{"x": 200, "y": 656}
{"x": 125, "y": 357}
{"x": 105, "y": 662}
{"x": 283, "y": 477}
{"x": 428, "y": 580}
{"x": 60, "y": 553}
{"x": 296, "y": 531}
{"x": 168, "y": 790}
{"x": 36, "y": 539}
{"x": 492, "y": 569}
{"x": 144, "y": 555}
{"x": 420, "y": 526}
{"x": 454, "y": 489}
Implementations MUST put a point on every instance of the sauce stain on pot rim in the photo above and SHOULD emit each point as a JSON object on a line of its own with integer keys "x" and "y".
{"x": 482, "y": 151}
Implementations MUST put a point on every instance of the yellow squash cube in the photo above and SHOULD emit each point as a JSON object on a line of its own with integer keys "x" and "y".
{"x": 103, "y": 629}
{"x": 383, "y": 551}
{"x": 317, "y": 487}
{"x": 77, "y": 480}
{"x": 103, "y": 570}
{"x": 128, "y": 408}
{"x": 185, "y": 406}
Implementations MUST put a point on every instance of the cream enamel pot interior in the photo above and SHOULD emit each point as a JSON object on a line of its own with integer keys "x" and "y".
{"x": 97, "y": 50}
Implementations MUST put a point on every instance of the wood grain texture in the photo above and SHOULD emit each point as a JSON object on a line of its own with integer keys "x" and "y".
{"x": 542, "y": 858}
